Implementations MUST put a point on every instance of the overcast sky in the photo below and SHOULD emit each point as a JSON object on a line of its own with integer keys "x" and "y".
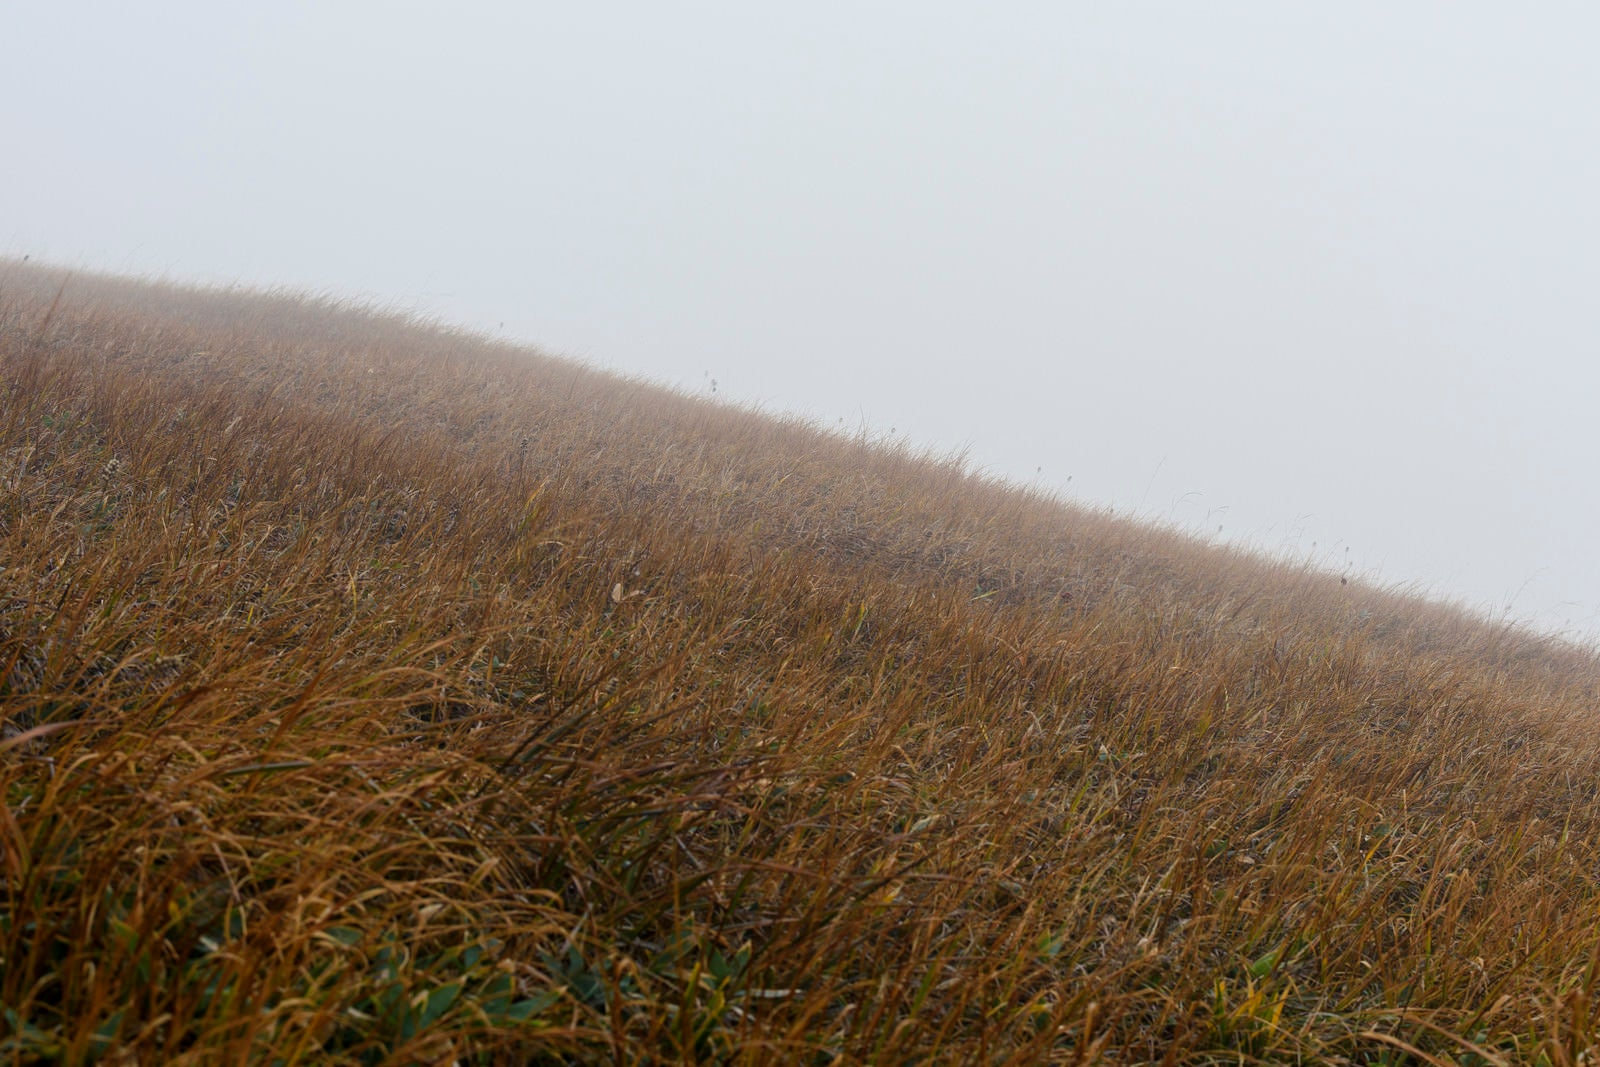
{"x": 1318, "y": 273}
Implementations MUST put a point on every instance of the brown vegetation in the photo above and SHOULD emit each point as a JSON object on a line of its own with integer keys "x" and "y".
{"x": 377, "y": 693}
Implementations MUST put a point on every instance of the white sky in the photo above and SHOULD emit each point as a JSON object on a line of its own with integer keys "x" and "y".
{"x": 1319, "y": 273}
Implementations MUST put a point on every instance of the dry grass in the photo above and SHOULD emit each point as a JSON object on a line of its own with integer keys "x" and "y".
{"x": 376, "y": 693}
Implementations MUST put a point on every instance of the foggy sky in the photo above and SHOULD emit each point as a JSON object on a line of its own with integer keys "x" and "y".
{"x": 1320, "y": 274}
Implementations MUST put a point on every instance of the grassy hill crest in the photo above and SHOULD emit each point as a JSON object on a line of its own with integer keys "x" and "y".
{"x": 374, "y": 692}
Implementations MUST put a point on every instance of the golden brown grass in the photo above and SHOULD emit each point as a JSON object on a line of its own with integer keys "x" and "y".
{"x": 377, "y": 693}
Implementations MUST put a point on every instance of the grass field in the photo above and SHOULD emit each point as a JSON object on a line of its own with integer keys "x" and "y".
{"x": 377, "y": 693}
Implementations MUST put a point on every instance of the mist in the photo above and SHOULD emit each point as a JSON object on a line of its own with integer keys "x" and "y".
{"x": 1318, "y": 280}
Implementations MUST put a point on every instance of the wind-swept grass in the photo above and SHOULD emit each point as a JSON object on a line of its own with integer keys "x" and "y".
{"x": 376, "y": 693}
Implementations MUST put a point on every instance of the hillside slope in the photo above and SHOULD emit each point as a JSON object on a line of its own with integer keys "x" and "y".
{"x": 373, "y": 692}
